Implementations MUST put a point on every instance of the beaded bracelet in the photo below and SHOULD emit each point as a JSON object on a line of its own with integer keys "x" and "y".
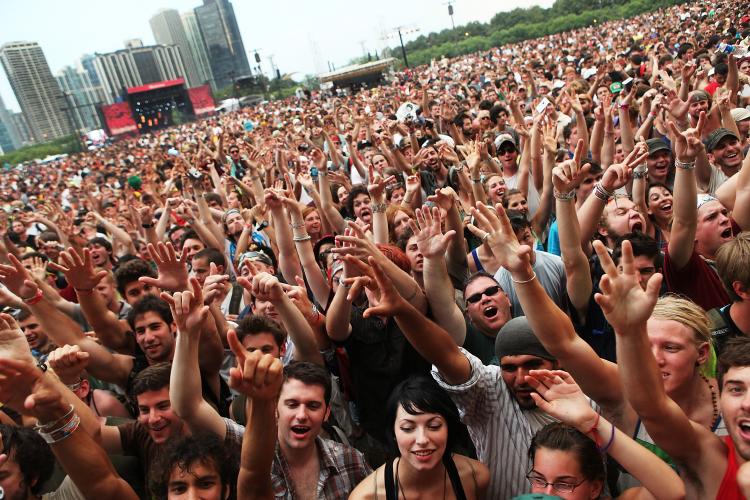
{"x": 63, "y": 432}
{"x": 564, "y": 196}
{"x": 298, "y": 225}
{"x": 684, "y": 165}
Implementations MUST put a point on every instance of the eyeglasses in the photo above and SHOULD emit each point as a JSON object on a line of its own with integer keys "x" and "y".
{"x": 559, "y": 486}
{"x": 489, "y": 292}
{"x": 505, "y": 151}
{"x": 485, "y": 118}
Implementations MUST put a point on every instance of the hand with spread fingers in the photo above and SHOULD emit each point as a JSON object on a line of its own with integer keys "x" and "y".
{"x": 17, "y": 279}
{"x": 495, "y": 229}
{"x": 688, "y": 144}
{"x": 78, "y": 269}
{"x": 558, "y": 395}
{"x": 258, "y": 376}
{"x": 390, "y": 303}
{"x": 356, "y": 243}
{"x": 624, "y": 302}
{"x": 428, "y": 232}
{"x": 188, "y": 310}
{"x": 173, "y": 273}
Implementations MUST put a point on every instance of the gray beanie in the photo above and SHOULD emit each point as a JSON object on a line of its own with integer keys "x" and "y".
{"x": 517, "y": 338}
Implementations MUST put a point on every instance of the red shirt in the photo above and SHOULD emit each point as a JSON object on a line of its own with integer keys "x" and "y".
{"x": 729, "y": 489}
{"x": 696, "y": 280}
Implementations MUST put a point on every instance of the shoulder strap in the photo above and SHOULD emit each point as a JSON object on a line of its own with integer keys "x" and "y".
{"x": 453, "y": 475}
{"x": 234, "y": 302}
{"x": 390, "y": 484}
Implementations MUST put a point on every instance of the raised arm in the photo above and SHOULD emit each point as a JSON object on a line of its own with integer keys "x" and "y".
{"x": 432, "y": 342}
{"x": 455, "y": 256}
{"x": 741, "y": 213}
{"x": 376, "y": 189}
{"x": 687, "y": 146}
{"x": 627, "y": 308}
{"x": 432, "y": 244}
{"x": 267, "y": 288}
{"x": 550, "y": 324}
{"x": 186, "y": 397}
{"x": 326, "y": 199}
{"x": 558, "y": 395}
{"x": 259, "y": 376}
{"x": 79, "y": 272}
{"x": 289, "y": 264}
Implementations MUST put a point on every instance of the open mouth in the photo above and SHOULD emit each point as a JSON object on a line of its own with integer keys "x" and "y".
{"x": 423, "y": 455}
{"x": 637, "y": 227}
{"x": 300, "y": 431}
{"x": 160, "y": 427}
{"x": 489, "y": 311}
{"x": 744, "y": 427}
{"x": 727, "y": 233}
{"x": 666, "y": 207}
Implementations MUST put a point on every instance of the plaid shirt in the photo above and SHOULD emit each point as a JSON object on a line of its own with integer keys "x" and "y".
{"x": 341, "y": 467}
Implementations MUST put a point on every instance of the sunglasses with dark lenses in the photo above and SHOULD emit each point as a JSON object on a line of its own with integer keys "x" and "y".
{"x": 489, "y": 292}
{"x": 505, "y": 151}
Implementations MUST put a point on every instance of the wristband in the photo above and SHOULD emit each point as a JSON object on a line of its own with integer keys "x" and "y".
{"x": 624, "y": 106}
{"x": 564, "y": 196}
{"x": 609, "y": 443}
{"x": 378, "y": 208}
{"x": 306, "y": 237}
{"x": 684, "y": 165}
{"x": 342, "y": 284}
{"x": 76, "y": 386}
{"x": 298, "y": 225}
{"x": 147, "y": 226}
{"x": 35, "y": 299}
{"x": 477, "y": 180}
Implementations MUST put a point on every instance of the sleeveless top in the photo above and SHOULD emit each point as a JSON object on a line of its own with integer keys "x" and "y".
{"x": 729, "y": 489}
{"x": 391, "y": 488}
{"x": 477, "y": 262}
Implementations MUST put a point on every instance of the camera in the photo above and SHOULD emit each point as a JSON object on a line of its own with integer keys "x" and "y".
{"x": 194, "y": 174}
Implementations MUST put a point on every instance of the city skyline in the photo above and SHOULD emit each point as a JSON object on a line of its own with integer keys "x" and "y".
{"x": 285, "y": 30}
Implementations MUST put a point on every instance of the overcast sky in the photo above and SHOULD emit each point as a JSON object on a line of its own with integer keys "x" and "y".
{"x": 288, "y": 30}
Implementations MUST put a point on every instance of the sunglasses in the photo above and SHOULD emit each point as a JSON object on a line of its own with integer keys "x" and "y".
{"x": 505, "y": 151}
{"x": 489, "y": 292}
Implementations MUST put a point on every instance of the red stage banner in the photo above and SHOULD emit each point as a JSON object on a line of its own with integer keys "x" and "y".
{"x": 119, "y": 118}
{"x": 156, "y": 85}
{"x": 201, "y": 99}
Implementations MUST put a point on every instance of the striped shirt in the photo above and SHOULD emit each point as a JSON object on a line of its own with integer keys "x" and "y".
{"x": 500, "y": 430}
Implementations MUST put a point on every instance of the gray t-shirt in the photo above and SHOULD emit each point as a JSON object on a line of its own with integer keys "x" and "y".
{"x": 549, "y": 271}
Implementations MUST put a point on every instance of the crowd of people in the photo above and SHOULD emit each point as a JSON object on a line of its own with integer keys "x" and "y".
{"x": 520, "y": 272}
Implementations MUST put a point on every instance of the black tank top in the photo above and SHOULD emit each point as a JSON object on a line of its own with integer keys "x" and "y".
{"x": 391, "y": 488}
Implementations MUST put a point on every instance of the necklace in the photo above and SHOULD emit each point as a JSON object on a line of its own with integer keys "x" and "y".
{"x": 714, "y": 403}
{"x": 401, "y": 488}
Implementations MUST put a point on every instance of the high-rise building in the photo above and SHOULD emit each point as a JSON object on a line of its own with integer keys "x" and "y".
{"x": 221, "y": 34}
{"x": 135, "y": 66}
{"x": 167, "y": 28}
{"x": 86, "y": 63}
{"x": 197, "y": 47}
{"x": 36, "y": 90}
{"x": 10, "y": 139}
{"x": 22, "y": 128}
{"x": 82, "y": 97}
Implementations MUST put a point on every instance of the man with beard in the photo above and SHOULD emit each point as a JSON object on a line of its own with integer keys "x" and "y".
{"x": 725, "y": 153}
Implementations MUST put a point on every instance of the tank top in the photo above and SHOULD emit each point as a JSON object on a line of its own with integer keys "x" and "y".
{"x": 391, "y": 488}
{"x": 729, "y": 489}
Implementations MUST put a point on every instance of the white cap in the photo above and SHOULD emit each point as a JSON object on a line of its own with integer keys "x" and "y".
{"x": 740, "y": 114}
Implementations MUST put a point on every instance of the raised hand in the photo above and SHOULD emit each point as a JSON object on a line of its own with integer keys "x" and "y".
{"x": 355, "y": 243}
{"x": 444, "y": 198}
{"x": 618, "y": 174}
{"x": 258, "y": 376}
{"x": 567, "y": 176}
{"x": 688, "y": 144}
{"x": 625, "y": 304}
{"x": 558, "y": 395}
{"x": 78, "y": 269}
{"x": 13, "y": 342}
{"x": 216, "y": 286}
{"x": 496, "y": 231}
{"x": 173, "y": 273}
{"x": 263, "y": 286}
{"x": 431, "y": 241}
{"x": 17, "y": 279}
{"x": 390, "y": 302}
{"x": 68, "y": 362}
{"x": 377, "y": 184}
{"x": 188, "y": 309}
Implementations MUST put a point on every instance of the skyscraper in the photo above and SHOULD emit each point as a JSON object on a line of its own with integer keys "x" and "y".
{"x": 11, "y": 139}
{"x": 82, "y": 96}
{"x": 36, "y": 90}
{"x": 221, "y": 34}
{"x": 86, "y": 63}
{"x": 135, "y": 66}
{"x": 167, "y": 28}
{"x": 197, "y": 47}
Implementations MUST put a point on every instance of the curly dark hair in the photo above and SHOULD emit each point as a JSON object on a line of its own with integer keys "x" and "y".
{"x": 33, "y": 456}
{"x": 189, "y": 451}
{"x": 130, "y": 272}
{"x": 254, "y": 324}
